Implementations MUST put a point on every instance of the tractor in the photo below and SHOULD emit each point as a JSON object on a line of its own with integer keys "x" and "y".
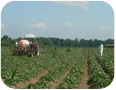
{"x": 25, "y": 47}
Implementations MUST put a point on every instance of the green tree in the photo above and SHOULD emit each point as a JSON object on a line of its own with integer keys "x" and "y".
{"x": 5, "y": 41}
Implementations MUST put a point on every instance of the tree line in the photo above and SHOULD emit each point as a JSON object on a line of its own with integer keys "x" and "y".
{"x": 6, "y": 41}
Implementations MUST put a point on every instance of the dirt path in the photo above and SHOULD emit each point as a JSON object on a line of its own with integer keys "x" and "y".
{"x": 85, "y": 77}
{"x": 55, "y": 85}
{"x": 36, "y": 79}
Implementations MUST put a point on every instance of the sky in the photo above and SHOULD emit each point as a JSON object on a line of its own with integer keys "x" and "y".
{"x": 62, "y": 19}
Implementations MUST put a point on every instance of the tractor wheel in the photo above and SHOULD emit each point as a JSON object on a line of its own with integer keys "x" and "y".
{"x": 37, "y": 50}
{"x": 31, "y": 54}
{"x": 14, "y": 53}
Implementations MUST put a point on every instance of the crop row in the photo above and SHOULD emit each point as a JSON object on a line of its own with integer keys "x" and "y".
{"x": 98, "y": 78}
{"x": 109, "y": 52}
{"x": 74, "y": 77}
{"x": 56, "y": 73}
{"x": 106, "y": 63}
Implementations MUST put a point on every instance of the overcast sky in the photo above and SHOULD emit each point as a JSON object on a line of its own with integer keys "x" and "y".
{"x": 88, "y": 20}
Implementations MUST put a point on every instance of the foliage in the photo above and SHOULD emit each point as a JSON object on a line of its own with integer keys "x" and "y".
{"x": 109, "y": 45}
{"x": 23, "y": 64}
{"x": 98, "y": 79}
{"x": 68, "y": 50}
{"x": 59, "y": 42}
{"x": 57, "y": 60}
{"x": 75, "y": 75}
{"x": 54, "y": 74}
{"x": 106, "y": 63}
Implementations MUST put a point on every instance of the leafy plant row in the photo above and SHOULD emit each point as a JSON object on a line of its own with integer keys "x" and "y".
{"x": 98, "y": 78}
{"x": 74, "y": 77}
{"x": 109, "y": 52}
{"x": 107, "y": 64}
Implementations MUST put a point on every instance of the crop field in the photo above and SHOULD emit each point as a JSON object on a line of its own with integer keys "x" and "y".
{"x": 58, "y": 68}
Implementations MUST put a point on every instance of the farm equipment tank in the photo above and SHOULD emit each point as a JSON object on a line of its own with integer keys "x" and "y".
{"x": 24, "y": 42}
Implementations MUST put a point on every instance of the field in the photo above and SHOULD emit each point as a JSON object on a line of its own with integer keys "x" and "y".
{"x": 58, "y": 67}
